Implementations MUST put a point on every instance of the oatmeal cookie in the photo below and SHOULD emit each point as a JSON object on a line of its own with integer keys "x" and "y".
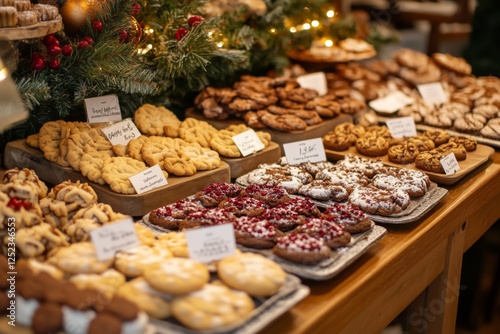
{"x": 372, "y": 145}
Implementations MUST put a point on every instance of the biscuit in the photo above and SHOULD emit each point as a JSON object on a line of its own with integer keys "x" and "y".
{"x": 223, "y": 143}
{"x": 80, "y": 143}
{"x": 252, "y": 273}
{"x": 107, "y": 282}
{"x": 403, "y": 153}
{"x": 214, "y": 307}
{"x": 33, "y": 140}
{"x": 117, "y": 170}
{"x": 149, "y": 300}
{"x": 27, "y": 175}
{"x": 134, "y": 261}
{"x": 469, "y": 143}
{"x": 176, "y": 243}
{"x": 134, "y": 147}
{"x": 90, "y": 165}
{"x": 156, "y": 120}
{"x": 179, "y": 164}
{"x": 49, "y": 139}
{"x": 80, "y": 258}
{"x": 285, "y": 123}
{"x": 177, "y": 276}
{"x": 203, "y": 158}
{"x": 439, "y": 137}
{"x": 452, "y": 63}
{"x": 154, "y": 152}
{"x": 195, "y": 131}
{"x": 144, "y": 234}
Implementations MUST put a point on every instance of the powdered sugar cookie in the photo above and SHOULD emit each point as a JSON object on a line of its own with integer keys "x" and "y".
{"x": 175, "y": 242}
{"x": 382, "y": 202}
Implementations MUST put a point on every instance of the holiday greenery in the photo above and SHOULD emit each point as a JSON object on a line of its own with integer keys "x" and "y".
{"x": 159, "y": 51}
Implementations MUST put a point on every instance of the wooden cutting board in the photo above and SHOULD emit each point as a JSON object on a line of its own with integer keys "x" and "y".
{"x": 19, "y": 154}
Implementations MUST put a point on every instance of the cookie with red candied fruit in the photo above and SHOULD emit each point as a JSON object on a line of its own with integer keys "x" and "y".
{"x": 351, "y": 217}
{"x": 271, "y": 194}
{"x": 171, "y": 215}
{"x": 283, "y": 218}
{"x": 244, "y": 206}
{"x": 302, "y": 248}
{"x": 302, "y": 206}
{"x": 206, "y": 217}
{"x": 255, "y": 232}
{"x": 334, "y": 234}
{"x": 215, "y": 193}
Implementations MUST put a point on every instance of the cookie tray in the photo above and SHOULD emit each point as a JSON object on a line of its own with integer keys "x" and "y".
{"x": 19, "y": 154}
{"x": 474, "y": 160}
{"x": 312, "y": 131}
{"x": 266, "y": 310}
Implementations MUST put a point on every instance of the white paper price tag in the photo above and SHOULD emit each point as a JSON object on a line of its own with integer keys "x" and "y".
{"x": 122, "y": 132}
{"x": 248, "y": 142}
{"x": 148, "y": 179}
{"x": 316, "y": 81}
{"x": 311, "y": 150}
{"x": 114, "y": 237}
{"x": 450, "y": 164}
{"x": 402, "y": 127}
{"x": 433, "y": 93}
{"x": 103, "y": 109}
{"x": 391, "y": 103}
{"x": 211, "y": 243}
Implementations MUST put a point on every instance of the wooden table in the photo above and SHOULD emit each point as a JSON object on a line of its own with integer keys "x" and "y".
{"x": 415, "y": 267}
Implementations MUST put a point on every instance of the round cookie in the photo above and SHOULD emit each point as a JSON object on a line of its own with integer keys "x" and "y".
{"x": 302, "y": 248}
{"x": 117, "y": 170}
{"x": 177, "y": 276}
{"x": 439, "y": 137}
{"x": 176, "y": 243}
{"x": 377, "y": 201}
{"x": 80, "y": 258}
{"x": 469, "y": 143}
{"x": 195, "y": 131}
{"x": 372, "y": 145}
{"x": 404, "y": 153}
{"x": 156, "y": 120}
{"x": 452, "y": 63}
{"x": 133, "y": 262}
{"x": 149, "y": 300}
{"x": 214, "y": 307}
{"x": 252, "y": 273}
{"x": 332, "y": 233}
{"x": 254, "y": 232}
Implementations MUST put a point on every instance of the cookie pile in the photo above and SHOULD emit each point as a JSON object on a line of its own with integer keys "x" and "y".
{"x": 265, "y": 216}
{"x": 425, "y": 149}
{"x": 22, "y": 13}
{"x": 275, "y": 103}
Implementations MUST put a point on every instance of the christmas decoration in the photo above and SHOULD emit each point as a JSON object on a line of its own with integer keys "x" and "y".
{"x": 66, "y": 50}
{"x": 75, "y": 14}
{"x": 180, "y": 33}
{"x": 88, "y": 39}
{"x": 97, "y": 26}
{"x": 53, "y": 50}
{"x": 83, "y": 44}
{"x": 195, "y": 21}
{"x": 134, "y": 33}
{"x": 38, "y": 64}
{"x": 48, "y": 40}
{"x": 135, "y": 9}
{"x": 54, "y": 64}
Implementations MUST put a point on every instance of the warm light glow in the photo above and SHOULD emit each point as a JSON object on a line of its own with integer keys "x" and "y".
{"x": 329, "y": 43}
{"x": 330, "y": 13}
{"x": 151, "y": 31}
{"x": 315, "y": 23}
{"x": 273, "y": 30}
{"x": 210, "y": 33}
{"x": 220, "y": 44}
{"x": 3, "y": 73}
{"x": 306, "y": 26}
{"x": 293, "y": 30}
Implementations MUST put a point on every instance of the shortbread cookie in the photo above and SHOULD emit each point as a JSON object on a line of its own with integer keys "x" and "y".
{"x": 255, "y": 232}
{"x": 203, "y": 158}
{"x": 179, "y": 163}
{"x": 33, "y": 140}
{"x": 177, "y": 276}
{"x": 134, "y": 147}
{"x": 176, "y": 243}
{"x": 81, "y": 142}
{"x": 49, "y": 139}
{"x": 133, "y": 262}
{"x": 107, "y": 282}
{"x": 302, "y": 248}
{"x": 156, "y": 120}
{"x": 117, "y": 170}
{"x": 90, "y": 165}
{"x": 149, "y": 300}
{"x": 144, "y": 234}
{"x": 195, "y": 131}
{"x": 155, "y": 152}
{"x": 377, "y": 201}
{"x": 252, "y": 273}
{"x": 214, "y": 307}
{"x": 80, "y": 258}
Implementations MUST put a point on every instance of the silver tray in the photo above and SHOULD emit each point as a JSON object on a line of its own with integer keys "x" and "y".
{"x": 266, "y": 310}
{"x": 417, "y": 208}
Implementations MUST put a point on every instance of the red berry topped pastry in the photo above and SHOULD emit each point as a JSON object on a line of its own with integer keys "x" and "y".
{"x": 272, "y": 195}
{"x": 207, "y": 217}
{"x": 244, "y": 206}
{"x": 351, "y": 217}
{"x": 283, "y": 218}
{"x": 333, "y": 234}
{"x": 215, "y": 193}
{"x": 302, "y": 248}
{"x": 171, "y": 215}
{"x": 301, "y": 206}
{"x": 254, "y": 232}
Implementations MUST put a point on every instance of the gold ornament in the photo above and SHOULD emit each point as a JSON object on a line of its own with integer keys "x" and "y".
{"x": 75, "y": 14}
{"x": 135, "y": 31}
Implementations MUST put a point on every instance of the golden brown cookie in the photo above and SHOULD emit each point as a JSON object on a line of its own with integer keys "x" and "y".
{"x": 372, "y": 145}
{"x": 285, "y": 123}
{"x": 156, "y": 120}
{"x": 117, "y": 170}
{"x": 403, "y": 153}
{"x": 195, "y": 131}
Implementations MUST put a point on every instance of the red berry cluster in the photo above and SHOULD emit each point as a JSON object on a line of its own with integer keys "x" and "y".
{"x": 193, "y": 22}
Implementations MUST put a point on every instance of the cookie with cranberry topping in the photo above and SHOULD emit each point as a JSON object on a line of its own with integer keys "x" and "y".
{"x": 272, "y": 195}
{"x": 255, "y": 232}
{"x": 206, "y": 217}
{"x": 334, "y": 234}
{"x": 324, "y": 190}
{"x": 351, "y": 217}
{"x": 302, "y": 248}
{"x": 171, "y": 215}
{"x": 283, "y": 218}
{"x": 215, "y": 193}
{"x": 302, "y": 206}
{"x": 378, "y": 201}
{"x": 244, "y": 206}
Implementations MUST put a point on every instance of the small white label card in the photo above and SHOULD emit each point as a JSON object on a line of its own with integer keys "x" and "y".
{"x": 103, "y": 109}
{"x": 248, "y": 142}
{"x": 450, "y": 164}
{"x": 114, "y": 237}
{"x": 316, "y": 81}
{"x": 433, "y": 93}
{"x": 148, "y": 179}
{"x": 391, "y": 103}
{"x": 311, "y": 150}
{"x": 402, "y": 127}
{"x": 122, "y": 132}
{"x": 211, "y": 243}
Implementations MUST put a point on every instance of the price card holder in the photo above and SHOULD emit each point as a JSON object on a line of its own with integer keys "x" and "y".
{"x": 122, "y": 132}
{"x": 433, "y": 93}
{"x": 402, "y": 127}
{"x": 450, "y": 164}
{"x": 391, "y": 103}
{"x": 103, "y": 109}
{"x": 114, "y": 237}
{"x": 248, "y": 142}
{"x": 148, "y": 179}
{"x": 316, "y": 81}
{"x": 211, "y": 243}
{"x": 311, "y": 150}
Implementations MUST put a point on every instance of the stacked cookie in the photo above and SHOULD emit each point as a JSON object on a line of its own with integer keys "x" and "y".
{"x": 279, "y": 104}
{"x": 21, "y": 13}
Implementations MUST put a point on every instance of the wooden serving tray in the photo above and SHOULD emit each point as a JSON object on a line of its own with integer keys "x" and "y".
{"x": 243, "y": 165}
{"x": 474, "y": 160}
{"x": 19, "y": 154}
{"x": 36, "y": 30}
{"x": 313, "y": 131}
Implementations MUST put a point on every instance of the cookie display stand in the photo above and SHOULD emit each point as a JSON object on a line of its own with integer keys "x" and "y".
{"x": 313, "y": 131}
{"x": 18, "y": 153}
{"x": 37, "y": 30}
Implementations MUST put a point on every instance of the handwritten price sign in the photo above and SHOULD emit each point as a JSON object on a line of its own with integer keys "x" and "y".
{"x": 311, "y": 150}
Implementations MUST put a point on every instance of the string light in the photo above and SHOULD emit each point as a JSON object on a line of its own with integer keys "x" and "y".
{"x": 330, "y": 13}
{"x": 306, "y": 26}
{"x": 293, "y": 30}
{"x": 328, "y": 43}
{"x": 315, "y": 23}
{"x": 220, "y": 44}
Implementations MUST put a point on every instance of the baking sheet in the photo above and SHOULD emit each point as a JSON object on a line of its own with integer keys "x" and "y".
{"x": 266, "y": 310}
